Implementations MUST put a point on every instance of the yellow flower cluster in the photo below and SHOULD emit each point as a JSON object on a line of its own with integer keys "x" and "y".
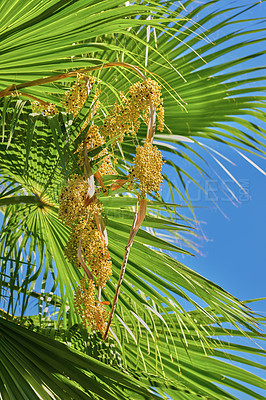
{"x": 75, "y": 97}
{"x": 72, "y": 199}
{"x": 94, "y": 252}
{"x": 125, "y": 118}
{"x": 85, "y": 304}
{"x": 101, "y": 317}
{"x": 39, "y": 108}
{"x": 144, "y": 93}
{"x": 92, "y": 313}
{"x": 73, "y": 101}
{"x": 92, "y": 140}
{"x": 106, "y": 167}
{"x": 86, "y": 241}
{"x": 86, "y": 246}
{"x": 147, "y": 169}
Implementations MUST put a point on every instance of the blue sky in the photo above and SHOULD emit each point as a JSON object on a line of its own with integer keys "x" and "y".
{"x": 233, "y": 253}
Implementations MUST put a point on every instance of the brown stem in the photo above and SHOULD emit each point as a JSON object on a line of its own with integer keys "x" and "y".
{"x": 37, "y": 82}
{"x": 43, "y": 103}
{"x": 115, "y": 300}
{"x": 99, "y": 178}
{"x": 99, "y": 294}
{"x": 138, "y": 219}
{"x": 152, "y": 123}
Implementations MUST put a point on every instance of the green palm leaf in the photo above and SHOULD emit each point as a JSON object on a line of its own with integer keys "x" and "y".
{"x": 34, "y": 366}
{"x": 164, "y": 345}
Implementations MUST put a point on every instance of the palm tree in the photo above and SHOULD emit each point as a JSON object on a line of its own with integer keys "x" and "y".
{"x": 168, "y": 325}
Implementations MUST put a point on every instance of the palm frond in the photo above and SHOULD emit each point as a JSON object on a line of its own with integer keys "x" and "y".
{"x": 35, "y": 366}
{"x": 163, "y": 343}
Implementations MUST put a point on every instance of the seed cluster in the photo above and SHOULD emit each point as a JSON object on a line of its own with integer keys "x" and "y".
{"x": 87, "y": 246}
{"x": 125, "y": 118}
{"x": 92, "y": 313}
{"x": 92, "y": 140}
{"x": 49, "y": 109}
{"x": 85, "y": 301}
{"x": 72, "y": 199}
{"x": 94, "y": 252}
{"x": 101, "y": 317}
{"x": 74, "y": 100}
{"x": 147, "y": 169}
{"x": 144, "y": 93}
{"x": 75, "y": 97}
{"x": 86, "y": 241}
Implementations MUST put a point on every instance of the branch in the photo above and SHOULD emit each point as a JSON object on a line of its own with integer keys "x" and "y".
{"x": 37, "y": 82}
{"x": 152, "y": 123}
{"x": 5, "y": 201}
{"x": 23, "y": 94}
{"x": 120, "y": 280}
{"x": 138, "y": 219}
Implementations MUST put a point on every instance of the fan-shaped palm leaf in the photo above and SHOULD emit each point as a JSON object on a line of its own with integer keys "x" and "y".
{"x": 43, "y": 45}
